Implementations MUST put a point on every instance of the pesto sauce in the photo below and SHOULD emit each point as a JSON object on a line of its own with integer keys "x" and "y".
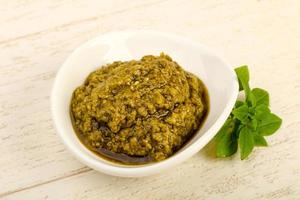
{"x": 139, "y": 111}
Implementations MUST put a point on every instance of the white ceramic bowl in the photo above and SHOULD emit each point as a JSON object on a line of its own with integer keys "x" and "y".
{"x": 216, "y": 74}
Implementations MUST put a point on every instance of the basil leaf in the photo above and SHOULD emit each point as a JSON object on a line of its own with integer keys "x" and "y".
{"x": 238, "y": 104}
{"x": 253, "y": 123}
{"x": 243, "y": 77}
{"x": 246, "y": 142}
{"x": 241, "y": 113}
{"x": 268, "y": 124}
{"x": 261, "y": 95}
{"x": 261, "y": 111}
{"x": 251, "y": 100}
{"x": 259, "y": 140}
{"x": 226, "y": 140}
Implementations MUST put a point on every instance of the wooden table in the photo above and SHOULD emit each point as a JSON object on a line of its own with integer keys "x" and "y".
{"x": 37, "y": 36}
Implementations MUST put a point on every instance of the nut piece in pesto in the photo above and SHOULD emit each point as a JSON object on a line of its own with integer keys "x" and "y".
{"x": 139, "y": 111}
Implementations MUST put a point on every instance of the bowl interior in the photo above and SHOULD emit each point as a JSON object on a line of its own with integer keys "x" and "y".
{"x": 218, "y": 77}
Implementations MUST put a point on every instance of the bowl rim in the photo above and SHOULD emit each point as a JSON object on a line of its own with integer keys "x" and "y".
{"x": 144, "y": 170}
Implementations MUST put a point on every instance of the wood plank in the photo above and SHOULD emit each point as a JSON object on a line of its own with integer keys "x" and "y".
{"x": 20, "y": 18}
{"x": 199, "y": 178}
{"x": 34, "y": 163}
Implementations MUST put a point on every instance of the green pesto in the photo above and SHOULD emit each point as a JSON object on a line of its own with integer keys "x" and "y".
{"x": 139, "y": 111}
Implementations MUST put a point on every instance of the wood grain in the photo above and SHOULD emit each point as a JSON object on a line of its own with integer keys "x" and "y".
{"x": 37, "y": 36}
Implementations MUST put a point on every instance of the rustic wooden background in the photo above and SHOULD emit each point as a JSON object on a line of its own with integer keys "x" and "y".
{"x": 37, "y": 36}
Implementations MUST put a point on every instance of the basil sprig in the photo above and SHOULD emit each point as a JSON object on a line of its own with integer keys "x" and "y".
{"x": 249, "y": 121}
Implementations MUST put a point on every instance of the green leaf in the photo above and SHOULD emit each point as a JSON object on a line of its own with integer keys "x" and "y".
{"x": 246, "y": 142}
{"x": 259, "y": 141}
{"x": 251, "y": 100}
{"x": 261, "y": 95}
{"x": 226, "y": 141}
{"x": 253, "y": 123}
{"x": 269, "y": 124}
{"x": 261, "y": 111}
{"x": 243, "y": 77}
{"x": 238, "y": 104}
{"x": 241, "y": 113}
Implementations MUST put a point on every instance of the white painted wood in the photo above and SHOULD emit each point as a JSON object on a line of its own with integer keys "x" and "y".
{"x": 36, "y": 37}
